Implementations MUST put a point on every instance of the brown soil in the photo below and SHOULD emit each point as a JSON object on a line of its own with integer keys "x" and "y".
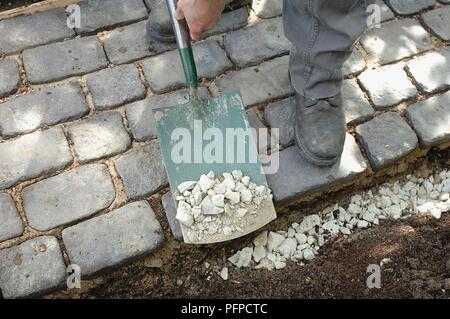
{"x": 11, "y": 4}
{"x": 419, "y": 249}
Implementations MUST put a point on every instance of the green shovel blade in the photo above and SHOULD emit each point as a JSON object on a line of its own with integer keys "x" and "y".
{"x": 213, "y": 135}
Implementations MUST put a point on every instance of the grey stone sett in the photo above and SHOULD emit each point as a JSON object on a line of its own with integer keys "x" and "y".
{"x": 113, "y": 239}
{"x": 9, "y": 77}
{"x": 435, "y": 76}
{"x": 11, "y": 223}
{"x": 396, "y": 40}
{"x": 29, "y": 31}
{"x": 115, "y": 86}
{"x": 267, "y": 40}
{"x": 431, "y": 120}
{"x": 99, "y": 14}
{"x": 100, "y": 136}
{"x": 232, "y": 20}
{"x": 267, "y": 9}
{"x": 130, "y": 43}
{"x": 388, "y": 85}
{"x": 386, "y": 139}
{"x": 51, "y": 106}
{"x": 32, "y": 268}
{"x": 261, "y": 83}
{"x": 408, "y": 7}
{"x": 356, "y": 107}
{"x": 438, "y": 21}
{"x": 57, "y": 61}
{"x": 33, "y": 155}
{"x": 68, "y": 197}
{"x": 142, "y": 171}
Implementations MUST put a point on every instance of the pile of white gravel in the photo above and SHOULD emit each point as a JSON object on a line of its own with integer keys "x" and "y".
{"x": 302, "y": 241}
{"x": 219, "y": 205}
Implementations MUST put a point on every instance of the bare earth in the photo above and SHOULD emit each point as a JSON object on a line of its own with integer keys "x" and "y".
{"x": 419, "y": 249}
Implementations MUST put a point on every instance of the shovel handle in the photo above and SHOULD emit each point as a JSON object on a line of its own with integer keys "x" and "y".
{"x": 183, "y": 38}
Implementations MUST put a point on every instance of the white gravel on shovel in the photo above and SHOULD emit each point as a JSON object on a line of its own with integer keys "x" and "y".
{"x": 302, "y": 241}
{"x": 219, "y": 205}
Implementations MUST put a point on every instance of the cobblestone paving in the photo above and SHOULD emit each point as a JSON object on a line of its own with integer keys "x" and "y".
{"x": 79, "y": 157}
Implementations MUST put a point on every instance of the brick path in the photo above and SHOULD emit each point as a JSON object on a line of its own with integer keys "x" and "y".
{"x": 79, "y": 159}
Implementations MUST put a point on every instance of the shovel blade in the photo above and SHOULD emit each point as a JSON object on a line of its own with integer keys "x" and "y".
{"x": 211, "y": 136}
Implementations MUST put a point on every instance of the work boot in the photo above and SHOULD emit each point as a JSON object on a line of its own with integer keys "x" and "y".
{"x": 320, "y": 129}
{"x": 159, "y": 24}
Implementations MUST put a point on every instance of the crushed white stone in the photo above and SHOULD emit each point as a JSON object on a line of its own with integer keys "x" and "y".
{"x": 259, "y": 252}
{"x": 219, "y": 205}
{"x": 303, "y": 239}
{"x": 224, "y": 273}
{"x": 261, "y": 239}
{"x": 186, "y": 186}
{"x": 308, "y": 254}
{"x": 274, "y": 240}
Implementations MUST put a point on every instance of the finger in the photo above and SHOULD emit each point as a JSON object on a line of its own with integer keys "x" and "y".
{"x": 196, "y": 36}
{"x": 196, "y": 31}
{"x": 210, "y": 26}
{"x": 179, "y": 14}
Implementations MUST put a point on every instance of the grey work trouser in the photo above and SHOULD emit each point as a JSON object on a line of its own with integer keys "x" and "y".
{"x": 322, "y": 33}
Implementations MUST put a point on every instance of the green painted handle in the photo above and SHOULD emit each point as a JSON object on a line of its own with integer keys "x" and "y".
{"x": 190, "y": 70}
{"x": 183, "y": 38}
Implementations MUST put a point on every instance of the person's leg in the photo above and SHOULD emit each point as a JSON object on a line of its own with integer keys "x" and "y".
{"x": 322, "y": 33}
